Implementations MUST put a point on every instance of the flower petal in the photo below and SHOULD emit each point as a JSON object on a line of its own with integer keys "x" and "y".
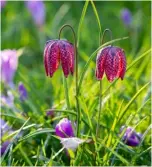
{"x": 111, "y": 64}
{"x": 64, "y": 58}
{"x": 100, "y": 62}
{"x": 45, "y": 55}
{"x": 70, "y": 53}
{"x": 71, "y": 143}
{"x": 122, "y": 64}
{"x": 51, "y": 57}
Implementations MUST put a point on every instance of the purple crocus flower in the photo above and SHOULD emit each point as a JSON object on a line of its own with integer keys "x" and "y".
{"x": 22, "y": 91}
{"x": 9, "y": 63}
{"x": 64, "y": 128}
{"x": 2, "y": 3}
{"x": 7, "y": 100}
{"x": 131, "y": 137}
{"x": 126, "y": 16}
{"x": 4, "y": 128}
{"x": 37, "y": 10}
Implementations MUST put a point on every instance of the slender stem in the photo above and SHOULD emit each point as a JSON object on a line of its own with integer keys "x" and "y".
{"x": 66, "y": 91}
{"x": 100, "y": 91}
{"x": 100, "y": 104}
{"x": 106, "y": 30}
{"x": 76, "y": 73}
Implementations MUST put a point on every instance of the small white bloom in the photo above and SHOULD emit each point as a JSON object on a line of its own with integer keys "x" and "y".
{"x": 72, "y": 142}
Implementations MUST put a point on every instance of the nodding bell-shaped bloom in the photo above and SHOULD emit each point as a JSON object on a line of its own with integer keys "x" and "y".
{"x": 57, "y": 51}
{"x": 131, "y": 137}
{"x": 64, "y": 128}
{"x": 112, "y": 61}
{"x": 22, "y": 91}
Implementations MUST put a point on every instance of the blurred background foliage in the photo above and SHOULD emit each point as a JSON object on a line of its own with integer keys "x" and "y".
{"x": 18, "y": 31}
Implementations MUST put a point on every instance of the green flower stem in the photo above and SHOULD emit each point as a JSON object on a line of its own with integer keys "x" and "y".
{"x": 100, "y": 105}
{"x": 100, "y": 91}
{"x": 76, "y": 85}
{"x": 76, "y": 77}
{"x": 66, "y": 91}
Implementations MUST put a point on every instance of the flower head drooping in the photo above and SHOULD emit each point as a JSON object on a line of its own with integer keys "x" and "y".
{"x": 4, "y": 129}
{"x": 37, "y": 10}
{"x": 57, "y": 51}
{"x": 9, "y": 63}
{"x": 64, "y": 128}
{"x": 112, "y": 61}
{"x": 126, "y": 16}
{"x": 131, "y": 137}
{"x": 22, "y": 91}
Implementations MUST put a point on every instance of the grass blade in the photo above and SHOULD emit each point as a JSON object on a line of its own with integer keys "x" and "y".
{"x": 64, "y": 111}
{"x": 41, "y": 131}
{"x": 13, "y": 140}
{"x": 81, "y": 20}
{"x": 132, "y": 100}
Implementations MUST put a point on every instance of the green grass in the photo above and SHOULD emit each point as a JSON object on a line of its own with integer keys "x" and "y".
{"x": 127, "y": 102}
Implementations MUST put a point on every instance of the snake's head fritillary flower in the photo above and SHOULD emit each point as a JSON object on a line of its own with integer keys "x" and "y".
{"x": 4, "y": 129}
{"x": 37, "y": 10}
{"x": 112, "y": 61}
{"x": 131, "y": 137}
{"x": 64, "y": 128}
{"x": 126, "y": 16}
{"x": 9, "y": 63}
{"x": 57, "y": 51}
{"x": 22, "y": 91}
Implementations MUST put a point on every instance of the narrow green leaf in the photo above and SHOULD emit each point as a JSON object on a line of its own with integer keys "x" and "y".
{"x": 13, "y": 140}
{"x": 116, "y": 154}
{"x": 98, "y": 20}
{"x": 81, "y": 20}
{"x": 25, "y": 156}
{"x": 13, "y": 133}
{"x": 64, "y": 111}
{"x": 13, "y": 116}
{"x": 132, "y": 100}
{"x": 139, "y": 58}
{"x": 149, "y": 148}
{"x": 41, "y": 131}
{"x": 53, "y": 157}
{"x": 96, "y": 14}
